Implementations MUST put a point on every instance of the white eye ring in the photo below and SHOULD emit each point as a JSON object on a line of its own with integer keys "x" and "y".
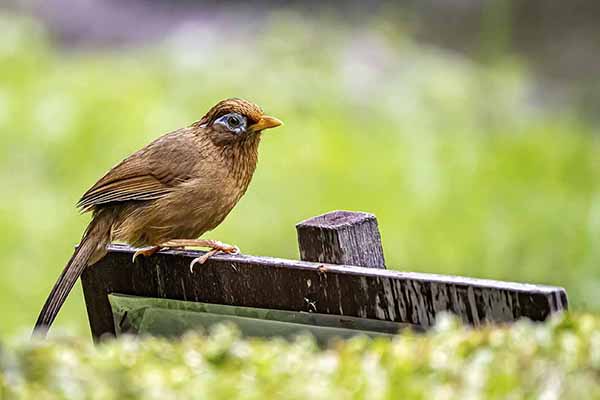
{"x": 234, "y": 122}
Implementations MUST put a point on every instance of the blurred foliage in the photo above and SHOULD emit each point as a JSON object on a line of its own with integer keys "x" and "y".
{"x": 465, "y": 173}
{"x": 556, "y": 360}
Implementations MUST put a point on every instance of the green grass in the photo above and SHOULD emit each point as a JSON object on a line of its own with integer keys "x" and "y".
{"x": 559, "y": 359}
{"x": 466, "y": 173}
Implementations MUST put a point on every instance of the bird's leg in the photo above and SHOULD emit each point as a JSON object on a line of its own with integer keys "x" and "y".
{"x": 214, "y": 245}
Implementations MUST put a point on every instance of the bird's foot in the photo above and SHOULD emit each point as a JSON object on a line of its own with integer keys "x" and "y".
{"x": 214, "y": 245}
{"x": 146, "y": 252}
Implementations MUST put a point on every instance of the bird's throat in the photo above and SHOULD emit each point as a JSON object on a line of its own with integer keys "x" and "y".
{"x": 240, "y": 158}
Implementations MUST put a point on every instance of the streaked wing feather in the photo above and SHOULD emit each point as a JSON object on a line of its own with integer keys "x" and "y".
{"x": 149, "y": 174}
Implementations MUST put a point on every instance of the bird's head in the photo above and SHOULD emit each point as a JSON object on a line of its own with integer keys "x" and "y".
{"x": 235, "y": 120}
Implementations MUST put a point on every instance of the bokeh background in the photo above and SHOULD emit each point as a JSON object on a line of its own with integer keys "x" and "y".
{"x": 470, "y": 128}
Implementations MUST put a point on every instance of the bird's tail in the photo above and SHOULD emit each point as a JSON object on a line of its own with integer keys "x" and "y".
{"x": 91, "y": 249}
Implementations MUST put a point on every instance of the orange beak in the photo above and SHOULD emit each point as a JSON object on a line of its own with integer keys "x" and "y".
{"x": 265, "y": 122}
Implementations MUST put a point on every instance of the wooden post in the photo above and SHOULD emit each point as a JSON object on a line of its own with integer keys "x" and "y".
{"x": 341, "y": 237}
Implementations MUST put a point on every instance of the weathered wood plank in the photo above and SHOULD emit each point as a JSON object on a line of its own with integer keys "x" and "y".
{"x": 341, "y": 237}
{"x": 264, "y": 282}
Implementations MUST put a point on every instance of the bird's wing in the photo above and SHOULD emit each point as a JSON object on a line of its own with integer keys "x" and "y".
{"x": 149, "y": 174}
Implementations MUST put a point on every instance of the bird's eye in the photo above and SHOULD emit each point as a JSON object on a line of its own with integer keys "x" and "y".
{"x": 234, "y": 121}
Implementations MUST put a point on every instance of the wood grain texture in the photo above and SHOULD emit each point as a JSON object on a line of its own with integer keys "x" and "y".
{"x": 264, "y": 282}
{"x": 341, "y": 237}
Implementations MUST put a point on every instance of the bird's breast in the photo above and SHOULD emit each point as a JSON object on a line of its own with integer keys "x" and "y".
{"x": 193, "y": 207}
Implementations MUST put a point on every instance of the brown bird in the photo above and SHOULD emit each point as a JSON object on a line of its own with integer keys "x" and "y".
{"x": 169, "y": 193}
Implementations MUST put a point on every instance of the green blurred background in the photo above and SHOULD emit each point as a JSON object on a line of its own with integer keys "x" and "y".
{"x": 469, "y": 128}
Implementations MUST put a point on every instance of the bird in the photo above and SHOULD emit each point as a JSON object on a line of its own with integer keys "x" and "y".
{"x": 168, "y": 194}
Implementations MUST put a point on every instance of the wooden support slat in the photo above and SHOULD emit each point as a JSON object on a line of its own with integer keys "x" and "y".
{"x": 273, "y": 283}
{"x": 341, "y": 237}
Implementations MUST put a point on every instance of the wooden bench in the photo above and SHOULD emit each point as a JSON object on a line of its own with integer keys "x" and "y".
{"x": 341, "y": 275}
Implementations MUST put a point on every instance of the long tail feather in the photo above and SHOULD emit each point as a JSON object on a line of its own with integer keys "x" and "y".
{"x": 92, "y": 248}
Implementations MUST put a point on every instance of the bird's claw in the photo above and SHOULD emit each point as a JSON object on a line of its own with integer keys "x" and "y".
{"x": 218, "y": 248}
{"x": 228, "y": 249}
{"x": 146, "y": 252}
